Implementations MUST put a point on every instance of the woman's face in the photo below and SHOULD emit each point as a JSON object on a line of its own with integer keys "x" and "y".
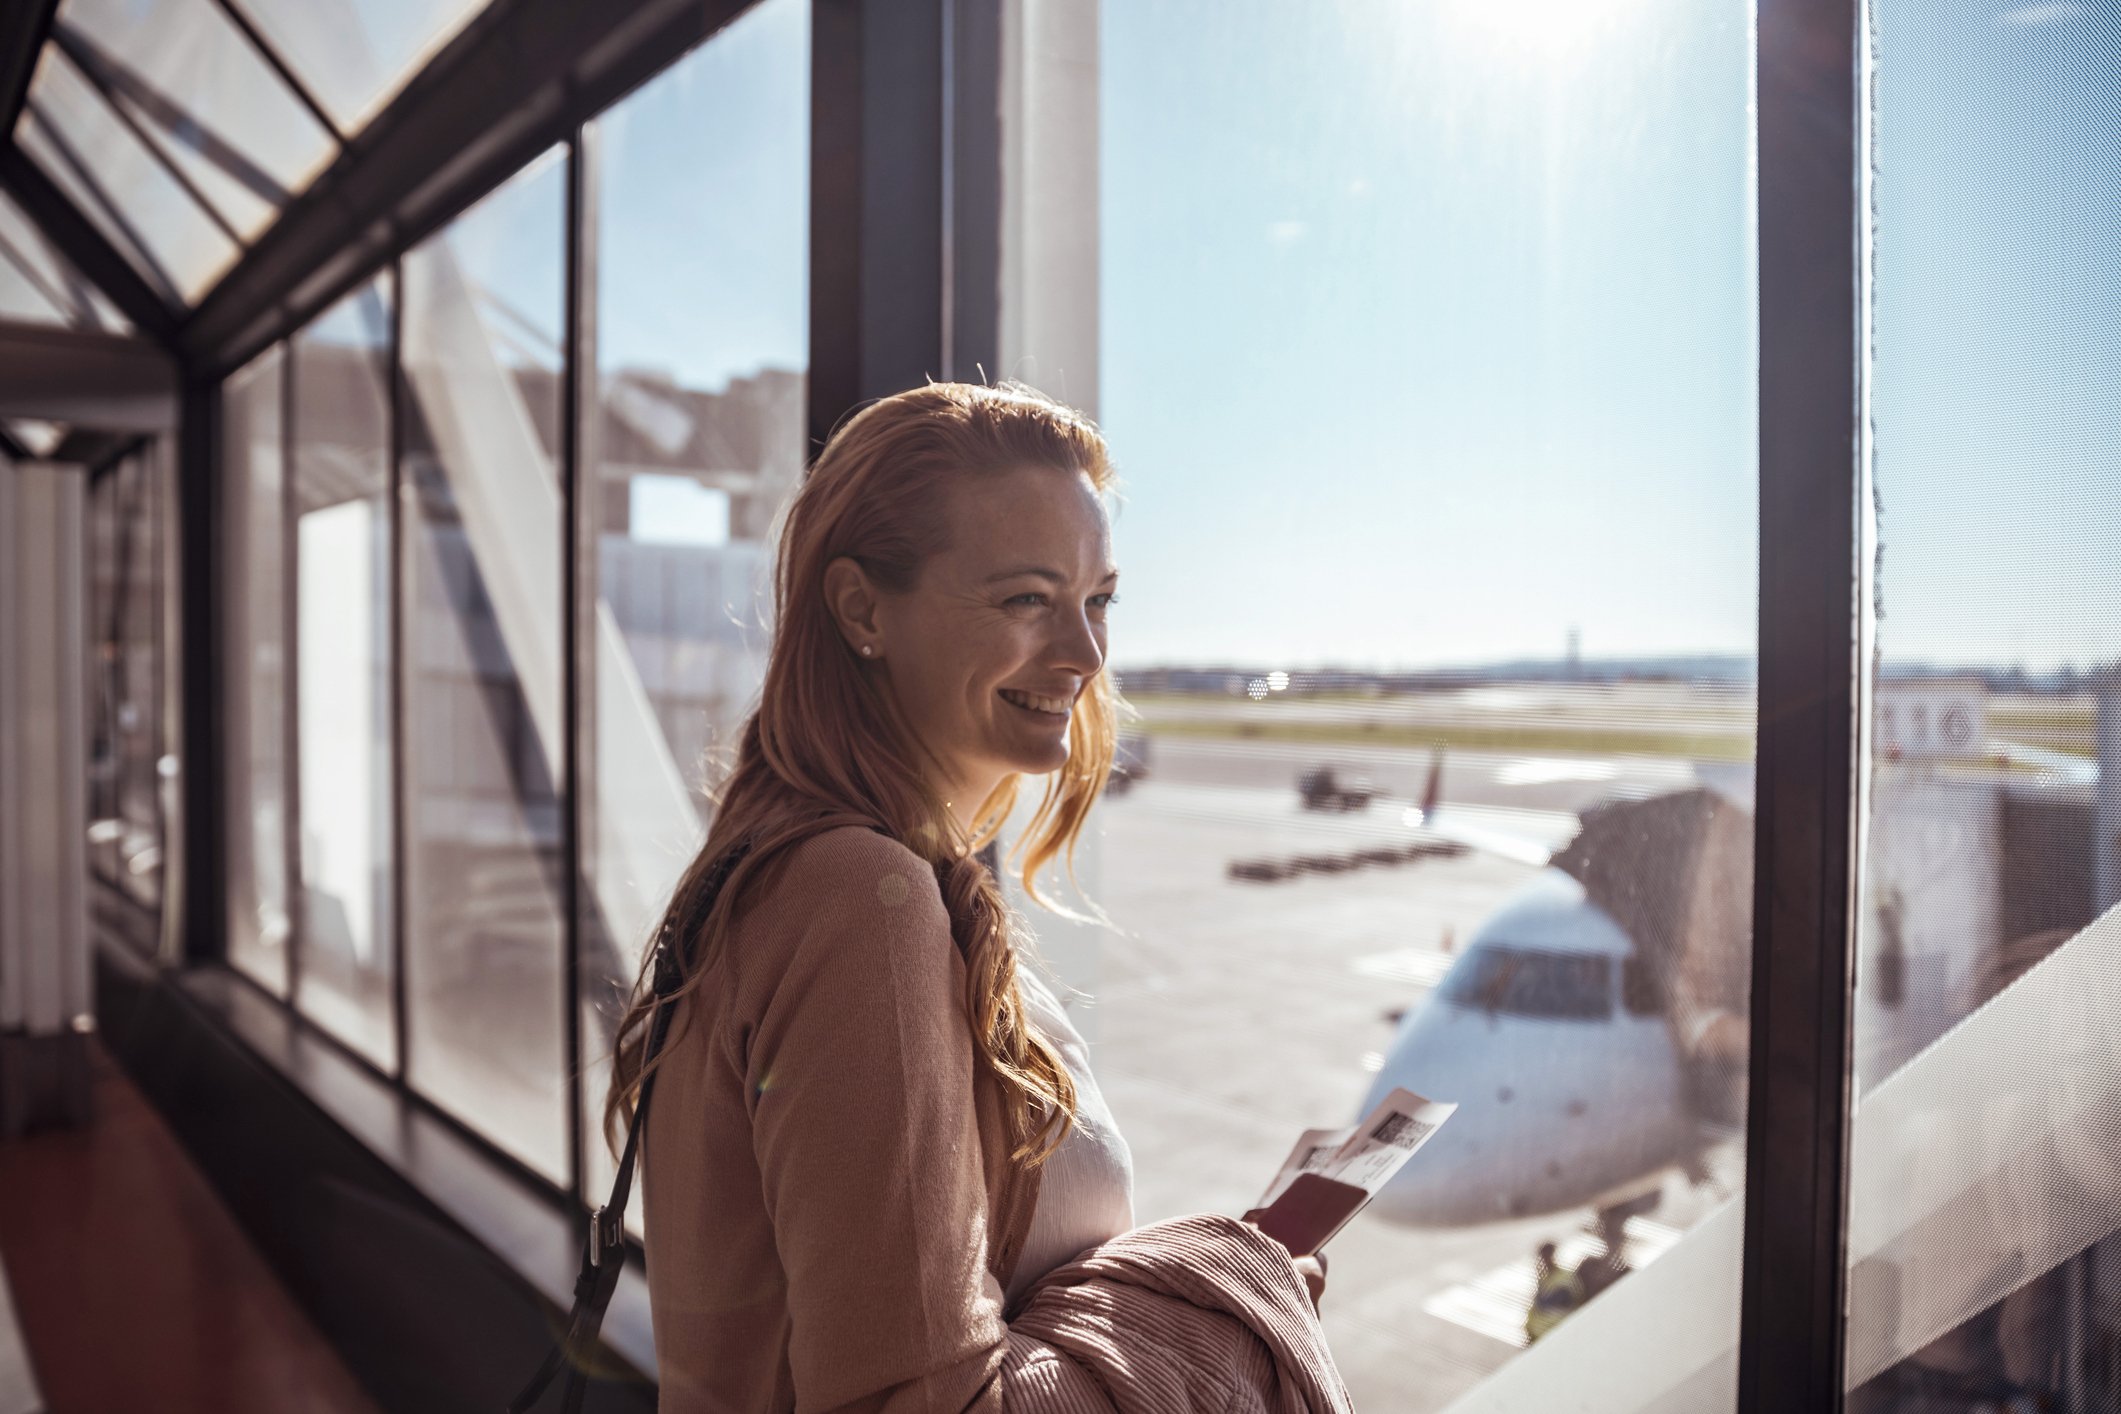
{"x": 989, "y": 651}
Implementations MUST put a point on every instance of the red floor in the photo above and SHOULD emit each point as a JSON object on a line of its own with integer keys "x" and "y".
{"x": 134, "y": 1288}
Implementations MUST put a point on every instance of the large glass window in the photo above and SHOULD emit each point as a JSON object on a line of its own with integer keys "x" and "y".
{"x": 342, "y": 552}
{"x": 255, "y": 693}
{"x": 697, "y": 438}
{"x": 115, "y": 180}
{"x": 186, "y": 78}
{"x": 1427, "y": 347}
{"x": 485, "y": 727}
{"x": 1983, "y": 1205}
{"x": 355, "y": 55}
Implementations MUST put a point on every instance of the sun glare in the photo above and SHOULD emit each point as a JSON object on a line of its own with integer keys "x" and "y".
{"x": 1538, "y": 29}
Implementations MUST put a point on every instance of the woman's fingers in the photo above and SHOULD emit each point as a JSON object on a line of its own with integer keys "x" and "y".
{"x": 1314, "y": 1273}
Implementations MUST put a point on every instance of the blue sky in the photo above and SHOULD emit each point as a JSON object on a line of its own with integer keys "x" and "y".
{"x": 1426, "y": 337}
{"x": 1429, "y": 330}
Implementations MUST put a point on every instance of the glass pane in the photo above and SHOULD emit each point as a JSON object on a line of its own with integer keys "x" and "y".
{"x": 254, "y": 697}
{"x": 1427, "y": 342}
{"x": 125, "y": 776}
{"x": 342, "y": 670}
{"x": 119, "y": 184}
{"x": 485, "y": 738}
{"x": 1983, "y": 1203}
{"x": 38, "y": 283}
{"x": 189, "y": 78}
{"x": 354, "y": 55}
{"x": 104, "y": 684}
{"x": 702, "y": 327}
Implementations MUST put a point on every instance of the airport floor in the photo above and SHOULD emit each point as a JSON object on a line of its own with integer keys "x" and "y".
{"x": 134, "y": 1289}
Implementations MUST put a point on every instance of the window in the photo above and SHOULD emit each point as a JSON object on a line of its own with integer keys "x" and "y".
{"x": 115, "y": 180}
{"x": 485, "y": 726}
{"x": 355, "y": 57}
{"x": 1427, "y": 345}
{"x": 1982, "y": 1208}
{"x": 698, "y": 437}
{"x": 343, "y": 737}
{"x": 255, "y": 694}
{"x": 1530, "y": 983}
{"x": 187, "y": 80}
{"x": 131, "y": 771}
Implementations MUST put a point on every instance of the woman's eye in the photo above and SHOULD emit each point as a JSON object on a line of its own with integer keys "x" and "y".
{"x": 1030, "y": 596}
{"x": 1104, "y": 601}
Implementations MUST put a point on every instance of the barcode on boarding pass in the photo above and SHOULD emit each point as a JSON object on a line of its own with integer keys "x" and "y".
{"x": 1401, "y": 1131}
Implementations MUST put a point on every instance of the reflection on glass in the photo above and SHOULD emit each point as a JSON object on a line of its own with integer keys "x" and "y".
{"x": 1984, "y": 1186}
{"x": 485, "y": 729}
{"x": 698, "y": 435}
{"x": 189, "y": 79}
{"x": 126, "y": 771}
{"x": 1427, "y": 350}
{"x": 117, "y": 183}
{"x": 39, "y": 284}
{"x": 354, "y": 55}
{"x": 254, "y": 695}
{"x": 342, "y": 655}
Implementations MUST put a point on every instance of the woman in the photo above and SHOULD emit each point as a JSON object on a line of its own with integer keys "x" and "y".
{"x": 873, "y": 1131}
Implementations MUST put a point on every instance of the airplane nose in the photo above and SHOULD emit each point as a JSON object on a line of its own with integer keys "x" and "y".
{"x": 1468, "y": 1172}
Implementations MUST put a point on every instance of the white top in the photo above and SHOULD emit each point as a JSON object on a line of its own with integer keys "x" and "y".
{"x": 1086, "y": 1194}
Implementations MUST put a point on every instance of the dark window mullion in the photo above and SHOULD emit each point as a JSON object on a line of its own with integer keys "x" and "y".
{"x": 92, "y": 74}
{"x": 290, "y": 667}
{"x": 400, "y": 766}
{"x": 578, "y": 374}
{"x": 1795, "y": 1279}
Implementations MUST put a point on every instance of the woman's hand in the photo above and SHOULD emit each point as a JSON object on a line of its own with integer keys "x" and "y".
{"x": 1312, "y": 1268}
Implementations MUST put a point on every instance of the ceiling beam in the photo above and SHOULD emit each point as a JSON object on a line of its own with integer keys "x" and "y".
{"x": 517, "y": 81}
{"x": 23, "y": 30}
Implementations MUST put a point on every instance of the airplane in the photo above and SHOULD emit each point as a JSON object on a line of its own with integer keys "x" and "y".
{"x": 1593, "y": 1030}
{"x": 1574, "y": 1060}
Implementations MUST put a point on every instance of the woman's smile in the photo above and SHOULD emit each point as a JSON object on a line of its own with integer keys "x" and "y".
{"x": 1038, "y": 705}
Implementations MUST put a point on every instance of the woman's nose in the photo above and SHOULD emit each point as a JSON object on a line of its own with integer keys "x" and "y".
{"x": 1079, "y": 645}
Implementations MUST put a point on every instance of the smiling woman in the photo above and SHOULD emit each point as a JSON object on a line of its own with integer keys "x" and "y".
{"x": 878, "y": 1131}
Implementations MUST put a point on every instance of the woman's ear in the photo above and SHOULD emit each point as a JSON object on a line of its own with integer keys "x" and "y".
{"x": 854, "y": 600}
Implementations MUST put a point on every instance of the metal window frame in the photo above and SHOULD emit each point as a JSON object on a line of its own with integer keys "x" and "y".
{"x": 578, "y": 338}
{"x": 1811, "y": 688}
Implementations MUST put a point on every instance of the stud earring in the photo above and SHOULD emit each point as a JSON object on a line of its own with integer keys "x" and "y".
{"x": 868, "y": 649}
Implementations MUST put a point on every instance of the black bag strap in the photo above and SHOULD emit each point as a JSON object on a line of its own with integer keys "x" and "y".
{"x": 604, "y": 1257}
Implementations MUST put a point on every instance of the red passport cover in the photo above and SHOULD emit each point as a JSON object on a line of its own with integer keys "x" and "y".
{"x": 1309, "y": 1212}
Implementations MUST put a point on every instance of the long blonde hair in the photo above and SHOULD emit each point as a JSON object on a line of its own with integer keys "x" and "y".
{"x": 826, "y": 747}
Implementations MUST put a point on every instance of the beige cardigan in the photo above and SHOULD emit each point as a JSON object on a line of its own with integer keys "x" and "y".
{"x": 830, "y": 1215}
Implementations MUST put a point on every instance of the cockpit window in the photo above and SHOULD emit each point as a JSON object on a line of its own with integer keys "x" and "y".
{"x": 1533, "y": 983}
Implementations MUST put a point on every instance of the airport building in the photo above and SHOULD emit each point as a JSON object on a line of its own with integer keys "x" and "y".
{"x": 1620, "y": 526}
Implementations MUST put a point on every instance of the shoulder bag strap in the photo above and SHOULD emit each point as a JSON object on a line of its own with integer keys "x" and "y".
{"x": 605, "y": 1255}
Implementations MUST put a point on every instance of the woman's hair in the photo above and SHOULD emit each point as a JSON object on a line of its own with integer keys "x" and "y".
{"x": 827, "y": 747}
